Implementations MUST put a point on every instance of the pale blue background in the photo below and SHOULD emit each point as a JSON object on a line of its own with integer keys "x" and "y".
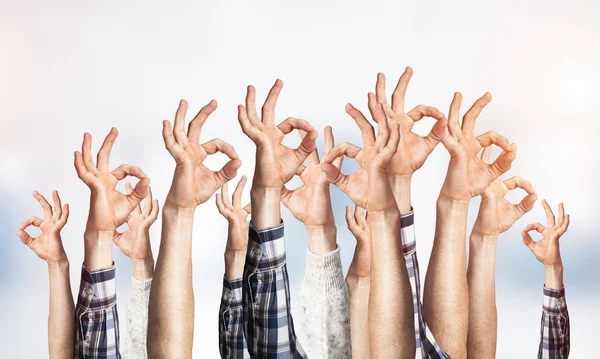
{"x": 69, "y": 66}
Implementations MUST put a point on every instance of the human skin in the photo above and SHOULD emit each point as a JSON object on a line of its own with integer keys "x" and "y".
{"x": 48, "y": 246}
{"x": 496, "y": 215}
{"x": 238, "y": 226}
{"x": 135, "y": 242}
{"x": 446, "y": 296}
{"x": 311, "y": 203}
{"x": 359, "y": 282}
{"x": 547, "y": 250}
{"x": 171, "y": 307}
{"x": 391, "y": 323}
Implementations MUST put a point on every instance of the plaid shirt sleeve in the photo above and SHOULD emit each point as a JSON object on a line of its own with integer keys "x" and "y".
{"x": 268, "y": 328}
{"x": 96, "y": 319}
{"x": 426, "y": 344}
{"x": 555, "y": 329}
{"x": 232, "y": 343}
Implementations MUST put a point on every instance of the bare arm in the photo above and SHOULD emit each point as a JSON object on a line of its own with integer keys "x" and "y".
{"x": 496, "y": 215}
{"x": 48, "y": 246}
{"x": 171, "y": 320}
{"x": 391, "y": 322}
{"x": 446, "y": 296}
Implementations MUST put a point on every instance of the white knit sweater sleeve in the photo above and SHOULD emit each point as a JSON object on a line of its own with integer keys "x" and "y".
{"x": 137, "y": 319}
{"x": 324, "y": 329}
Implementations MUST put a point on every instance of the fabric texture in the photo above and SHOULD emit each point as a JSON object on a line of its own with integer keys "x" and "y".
{"x": 232, "y": 343}
{"x": 555, "y": 333}
{"x": 137, "y": 319}
{"x": 323, "y": 301}
{"x": 427, "y": 347}
{"x": 96, "y": 318}
{"x": 269, "y": 328}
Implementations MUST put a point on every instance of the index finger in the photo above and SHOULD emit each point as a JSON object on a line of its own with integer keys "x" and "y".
{"x": 45, "y": 205}
{"x": 103, "y": 157}
{"x": 549, "y": 213}
{"x": 468, "y": 125}
{"x": 398, "y": 97}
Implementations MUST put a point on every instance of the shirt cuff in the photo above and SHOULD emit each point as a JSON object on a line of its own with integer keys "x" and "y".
{"x": 554, "y": 301}
{"x": 324, "y": 273}
{"x": 407, "y": 229}
{"x": 232, "y": 293}
{"x": 97, "y": 290}
{"x": 266, "y": 248}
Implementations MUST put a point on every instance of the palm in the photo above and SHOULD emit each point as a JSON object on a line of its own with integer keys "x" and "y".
{"x": 547, "y": 250}
{"x": 468, "y": 176}
{"x": 411, "y": 153}
{"x": 48, "y": 245}
{"x": 311, "y": 203}
{"x": 193, "y": 183}
{"x": 276, "y": 163}
{"x": 368, "y": 186}
{"x": 236, "y": 215}
{"x": 109, "y": 208}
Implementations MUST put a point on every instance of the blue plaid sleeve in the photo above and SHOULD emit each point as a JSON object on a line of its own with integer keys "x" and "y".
{"x": 232, "y": 343}
{"x": 426, "y": 344}
{"x": 268, "y": 328}
{"x": 555, "y": 341}
{"x": 96, "y": 319}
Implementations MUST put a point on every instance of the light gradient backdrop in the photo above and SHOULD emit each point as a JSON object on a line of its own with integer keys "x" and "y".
{"x": 67, "y": 67}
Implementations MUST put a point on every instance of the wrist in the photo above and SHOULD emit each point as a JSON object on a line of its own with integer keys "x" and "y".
{"x": 391, "y": 214}
{"x": 97, "y": 249}
{"x": 447, "y": 203}
{"x": 234, "y": 264}
{"x": 58, "y": 265}
{"x": 143, "y": 268}
{"x": 265, "y": 202}
{"x": 170, "y": 209}
{"x": 479, "y": 237}
{"x": 322, "y": 238}
{"x": 553, "y": 276}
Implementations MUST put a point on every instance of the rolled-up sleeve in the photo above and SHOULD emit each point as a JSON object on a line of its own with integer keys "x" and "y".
{"x": 555, "y": 331}
{"x": 232, "y": 343}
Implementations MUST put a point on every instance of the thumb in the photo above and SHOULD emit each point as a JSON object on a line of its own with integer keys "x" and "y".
{"x": 307, "y": 146}
{"x": 139, "y": 192}
{"x": 286, "y": 194}
{"x": 503, "y": 163}
{"x": 335, "y": 176}
{"x": 228, "y": 172}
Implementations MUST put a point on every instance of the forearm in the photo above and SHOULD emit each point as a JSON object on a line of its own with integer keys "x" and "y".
{"x": 401, "y": 189}
{"x": 171, "y": 307}
{"x": 482, "y": 335}
{"x": 553, "y": 277}
{"x": 234, "y": 264}
{"x": 143, "y": 269}
{"x": 266, "y": 208}
{"x": 446, "y": 297}
{"x": 62, "y": 309}
{"x": 358, "y": 292}
{"x": 97, "y": 249}
{"x": 322, "y": 239}
{"x": 391, "y": 322}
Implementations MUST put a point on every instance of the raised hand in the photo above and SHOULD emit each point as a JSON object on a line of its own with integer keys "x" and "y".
{"x": 468, "y": 176}
{"x": 358, "y": 225}
{"x": 369, "y": 186}
{"x": 496, "y": 214}
{"x": 236, "y": 215}
{"x": 311, "y": 203}
{"x": 135, "y": 242}
{"x": 547, "y": 250}
{"x": 237, "y": 234}
{"x": 109, "y": 208}
{"x": 413, "y": 149}
{"x": 275, "y": 163}
{"x": 47, "y": 245}
{"x": 193, "y": 183}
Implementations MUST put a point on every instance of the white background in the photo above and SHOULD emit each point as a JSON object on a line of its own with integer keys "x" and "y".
{"x": 67, "y": 67}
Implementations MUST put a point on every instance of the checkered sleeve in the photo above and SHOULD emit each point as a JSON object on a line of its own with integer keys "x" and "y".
{"x": 555, "y": 329}
{"x": 427, "y": 347}
{"x": 268, "y": 328}
{"x": 96, "y": 319}
{"x": 232, "y": 343}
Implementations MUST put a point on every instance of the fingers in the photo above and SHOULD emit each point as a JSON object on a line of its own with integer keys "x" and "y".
{"x": 82, "y": 172}
{"x": 170, "y": 144}
{"x": 65, "y": 215}
{"x": 103, "y": 158}
{"x": 502, "y": 164}
{"x": 383, "y": 130}
{"x": 237, "y": 194}
{"x": 527, "y": 203}
{"x": 286, "y": 195}
{"x": 307, "y": 146}
{"x": 359, "y": 217}
{"x": 195, "y": 126}
{"x": 313, "y": 158}
{"x": 399, "y": 94}
{"x": 549, "y": 213}
{"x": 248, "y": 127}
{"x": 139, "y": 192}
{"x": 217, "y": 145}
{"x": 344, "y": 149}
{"x": 179, "y": 125}
{"x": 380, "y": 89}
{"x": 366, "y": 129}
{"x": 220, "y": 205}
{"x": 86, "y": 150}
{"x": 527, "y": 240}
{"x": 268, "y": 109}
{"x": 486, "y": 154}
{"x": 492, "y": 138}
{"x": 126, "y": 170}
{"x": 25, "y": 238}
{"x": 154, "y": 213}
{"x": 57, "y": 206}
{"x": 45, "y": 205}
{"x": 336, "y": 177}
{"x": 138, "y": 208}
{"x": 329, "y": 143}
{"x": 437, "y": 134}
{"x": 291, "y": 123}
{"x": 392, "y": 146}
{"x": 248, "y": 208}
{"x": 468, "y": 125}
{"x": 228, "y": 172}
{"x": 251, "y": 112}
{"x": 565, "y": 224}
{"x": 225, "y": 195}
{"x": 417, "y": 113}
{"x": 351, "y": 221}
{"x": 148, "y": 203}
{"x": 454, "y": 115}
{"x": 561, "y": 213}
{"x": 300, "y": 170}
{"x": 31, "y": 221}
